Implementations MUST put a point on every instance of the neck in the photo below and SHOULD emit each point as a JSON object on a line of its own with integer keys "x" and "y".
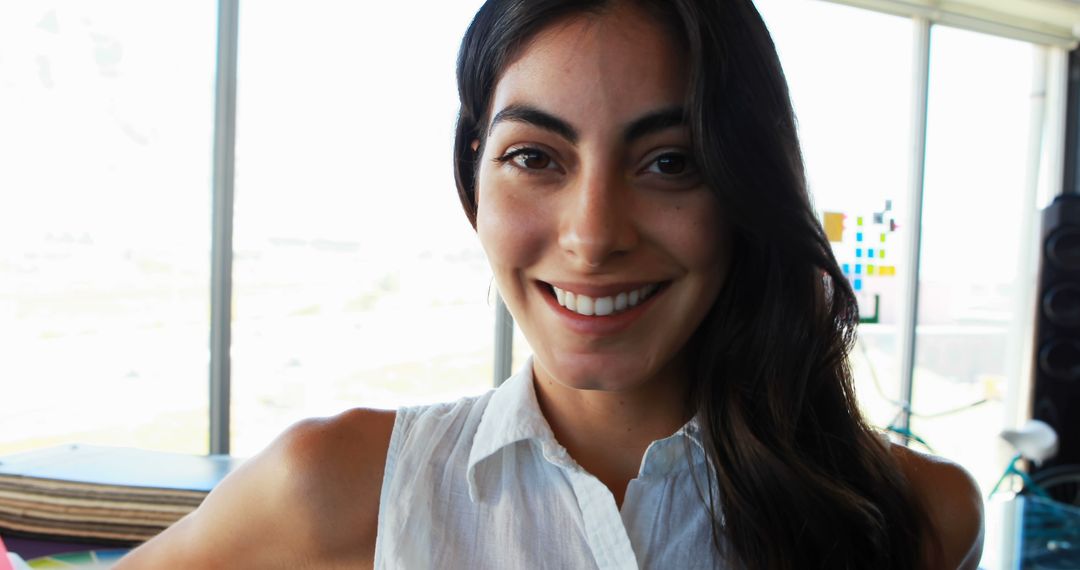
{"x": 607, "y": 432}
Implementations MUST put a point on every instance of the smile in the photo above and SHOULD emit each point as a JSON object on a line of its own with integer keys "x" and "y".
{"x": 603, "y": 306}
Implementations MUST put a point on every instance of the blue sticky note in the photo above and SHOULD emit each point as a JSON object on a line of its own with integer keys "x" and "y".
{"x": 847, "y": 268}
{"x": 858, "y": 252}
{"x": 858, "y": 269}
{"x": 858, "y": 284}
{"x": 858, "y": 236}
{"x": 870, "y": 253}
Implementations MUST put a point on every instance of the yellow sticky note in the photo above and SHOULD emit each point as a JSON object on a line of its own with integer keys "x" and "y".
{"x": 869, "y": 269}
{"x": 858, "y": 221}
{"x": 882, "y": 238}
{"x": 834, "y": 226}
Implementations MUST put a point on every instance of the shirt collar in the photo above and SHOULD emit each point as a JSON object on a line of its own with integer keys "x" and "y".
{"x": 665, "y": 456}
{"x": 513, "y": 415}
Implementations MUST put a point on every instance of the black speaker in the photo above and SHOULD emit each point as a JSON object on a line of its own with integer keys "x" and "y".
{"x": 1056, "y": 397}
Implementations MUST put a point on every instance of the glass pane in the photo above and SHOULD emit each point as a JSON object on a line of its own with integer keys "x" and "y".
{"x": 359, "y": 281}
{"x": 853, "y": 108}
{"x": 972, "y": 317}
{"x": 107, "y": 114}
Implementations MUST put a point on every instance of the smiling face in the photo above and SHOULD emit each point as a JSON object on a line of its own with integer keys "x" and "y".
{"x": 605, "y": 244}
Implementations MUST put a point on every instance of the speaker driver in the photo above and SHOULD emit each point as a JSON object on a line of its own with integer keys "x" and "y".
{"x": 1060, "y": 360}
{"x": 1063, "y": 249}
{"x": 1061, "y": 305}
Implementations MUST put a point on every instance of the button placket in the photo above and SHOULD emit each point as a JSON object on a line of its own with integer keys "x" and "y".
{"x": 604, "y": 527}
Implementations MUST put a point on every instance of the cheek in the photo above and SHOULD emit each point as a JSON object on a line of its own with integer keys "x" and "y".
{"x": 510, "y": 227}
{"x": 700, "y": 237}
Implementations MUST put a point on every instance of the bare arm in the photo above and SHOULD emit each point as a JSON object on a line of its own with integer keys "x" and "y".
{"x": 953, "y": 501}
{"x": 310, "y": 500}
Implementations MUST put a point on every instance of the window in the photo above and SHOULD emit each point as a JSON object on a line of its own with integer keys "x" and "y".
{"x": 357, "y": 278}
{"x": 854, "y": 125}
{"x": 979, "y": 211}
{"x": 990, "y": 150}
{"x": 104, "y": 223}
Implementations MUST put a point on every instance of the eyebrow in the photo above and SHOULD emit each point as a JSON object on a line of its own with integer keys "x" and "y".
{"x": 655, "y": 122}
{"x": 648, "y": 124}
{"x": 536, "y": 117}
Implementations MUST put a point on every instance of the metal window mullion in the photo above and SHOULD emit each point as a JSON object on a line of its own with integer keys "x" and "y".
{"x": 504, "y": 341}
{"x": 222, "y": 224}
{"x": 909, "y": 318}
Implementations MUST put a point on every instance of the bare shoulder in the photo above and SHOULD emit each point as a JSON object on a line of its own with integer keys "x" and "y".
{"x": 952, "y": 500}
{"x": 336, "y": 467}
{"x": 310, "y": 499}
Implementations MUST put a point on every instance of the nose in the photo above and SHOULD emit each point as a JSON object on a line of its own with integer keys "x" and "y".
{"x": 598, "y": 223}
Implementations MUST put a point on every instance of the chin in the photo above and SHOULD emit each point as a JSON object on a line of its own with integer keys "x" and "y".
{"x": 609, "y": 373}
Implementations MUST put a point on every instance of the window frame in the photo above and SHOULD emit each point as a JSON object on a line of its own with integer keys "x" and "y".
{"x": 925, "y": 18}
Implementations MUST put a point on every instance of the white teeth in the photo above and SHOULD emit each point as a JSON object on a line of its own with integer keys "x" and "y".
{"x": 584, "y": 305}
{"x": 603, "y": 306}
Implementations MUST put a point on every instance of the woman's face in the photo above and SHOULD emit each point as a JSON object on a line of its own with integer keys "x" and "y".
{"x": 605, "y": 244}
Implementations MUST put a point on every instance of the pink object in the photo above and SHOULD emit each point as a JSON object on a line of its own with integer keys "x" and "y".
{"x": 5, "y": 562}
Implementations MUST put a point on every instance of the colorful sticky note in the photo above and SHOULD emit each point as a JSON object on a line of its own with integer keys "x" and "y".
{"x": 882, "y": 238}
{"x": 858, "y": 236}
{"x": 881, "y": 254}
{"x": 834, "y": 226}
{"x": 858, "y": 221}
{"x": 846, "y": 268}
{"x": 870, "y": 253}
{"x": 858, "y": 284}
{"x": 869, "y": 269}
{"x": 858, "y": 269}
{"x": 858, "y": 252}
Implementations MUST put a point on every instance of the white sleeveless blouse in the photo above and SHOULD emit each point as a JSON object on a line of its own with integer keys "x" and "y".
{"x": 481, "y": 483}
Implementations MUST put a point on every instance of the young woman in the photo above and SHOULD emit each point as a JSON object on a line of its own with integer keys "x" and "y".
{"x": 633, "y": 174}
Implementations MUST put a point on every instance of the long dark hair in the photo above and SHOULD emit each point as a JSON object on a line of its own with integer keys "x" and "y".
{"x": 803, "y": 480}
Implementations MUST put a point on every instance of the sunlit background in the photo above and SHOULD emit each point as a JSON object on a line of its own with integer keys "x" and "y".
{"x": 358, "y": 281}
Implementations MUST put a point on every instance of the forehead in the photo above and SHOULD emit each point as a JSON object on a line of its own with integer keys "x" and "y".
{"x": 611, "y": 66}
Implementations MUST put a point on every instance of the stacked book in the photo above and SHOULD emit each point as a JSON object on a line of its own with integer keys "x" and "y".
{"x": 103, "y": 494}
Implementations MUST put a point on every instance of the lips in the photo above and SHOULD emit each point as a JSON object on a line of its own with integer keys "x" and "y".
{"x": 594, "y": 325}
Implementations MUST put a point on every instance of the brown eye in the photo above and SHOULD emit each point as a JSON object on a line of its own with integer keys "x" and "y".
{"x": 671, "y": 164}
{"x": 532, "y": 159}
